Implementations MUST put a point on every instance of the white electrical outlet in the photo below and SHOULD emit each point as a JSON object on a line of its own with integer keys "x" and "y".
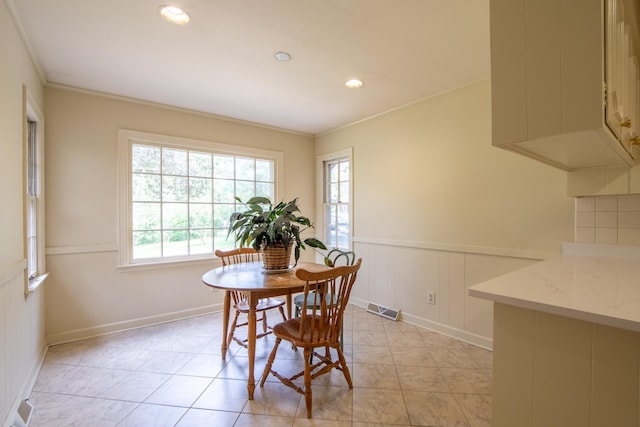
{"x": 431, "y": 297}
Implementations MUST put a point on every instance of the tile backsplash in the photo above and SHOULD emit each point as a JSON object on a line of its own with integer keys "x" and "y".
{"x": 608, "y": 219}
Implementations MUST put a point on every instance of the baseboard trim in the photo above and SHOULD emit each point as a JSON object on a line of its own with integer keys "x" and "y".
{"x": 450, "y": 331}
{"x": 79, "y": 334}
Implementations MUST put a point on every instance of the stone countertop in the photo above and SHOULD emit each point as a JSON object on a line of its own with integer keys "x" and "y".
{"x": 595, "y": 283}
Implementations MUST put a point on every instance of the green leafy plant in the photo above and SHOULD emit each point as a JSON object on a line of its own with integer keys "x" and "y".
{"x": 262, "y": 224}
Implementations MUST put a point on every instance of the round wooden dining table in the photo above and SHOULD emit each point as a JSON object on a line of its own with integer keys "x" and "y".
{"x": 255, "y": 282}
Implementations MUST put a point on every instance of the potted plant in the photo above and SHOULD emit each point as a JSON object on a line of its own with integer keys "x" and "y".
{"x": 272, "y": 230}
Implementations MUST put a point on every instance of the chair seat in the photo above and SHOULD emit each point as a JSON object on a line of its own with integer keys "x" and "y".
{"x": 263, "y": 304}
{"x": 290, "y": 330}
{"x": 311, "y": 300}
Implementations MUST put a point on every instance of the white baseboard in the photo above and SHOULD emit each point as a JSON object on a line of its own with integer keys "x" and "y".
{"x": 79, "y": 334}
{"x": 450, "y": 331}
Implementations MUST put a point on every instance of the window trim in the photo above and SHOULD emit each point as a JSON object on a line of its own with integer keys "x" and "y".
{"x": 321, "y": 160}
{"x": 125, "y": 139}
{"x": 33, "y": 113}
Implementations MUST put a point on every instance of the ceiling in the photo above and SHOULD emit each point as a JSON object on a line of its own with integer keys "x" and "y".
{"x": 223, "y": 62}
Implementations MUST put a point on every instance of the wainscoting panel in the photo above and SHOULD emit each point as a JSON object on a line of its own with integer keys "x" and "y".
{"x": 399, "y": 275}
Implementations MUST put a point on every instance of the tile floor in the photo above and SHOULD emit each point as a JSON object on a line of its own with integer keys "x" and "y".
{"x": 173, "y": 375}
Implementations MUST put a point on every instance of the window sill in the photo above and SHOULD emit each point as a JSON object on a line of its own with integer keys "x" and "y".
{"x": 35, "y": 283}
{"x": 213, "y": 262}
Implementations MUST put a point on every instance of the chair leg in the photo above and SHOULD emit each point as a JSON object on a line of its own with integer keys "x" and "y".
{"x": 284, "y": 316}
{"x": 232, "y": 330}
{"x": 307, "y": 380}
{"x": 267, "y": 367}
{"x": 264, "y": 322}
{"x": 345, "y": 368}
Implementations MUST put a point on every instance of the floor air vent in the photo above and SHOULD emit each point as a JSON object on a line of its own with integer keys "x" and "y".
{"x": 24, "y": 414}
{"x": 389, "y": 313}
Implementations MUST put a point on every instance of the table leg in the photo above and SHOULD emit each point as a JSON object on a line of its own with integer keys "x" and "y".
{"x": 289, "y": 305}
{"x": 225, "y": 323}
{"x": 251, "y": 343}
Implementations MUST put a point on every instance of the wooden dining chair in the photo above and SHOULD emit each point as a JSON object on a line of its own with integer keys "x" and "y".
{"x": 317, "y": 327}
{"x": 240, "y": 304}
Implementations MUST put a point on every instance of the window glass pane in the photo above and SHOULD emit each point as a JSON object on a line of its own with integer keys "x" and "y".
{"x": 200, "y": 189}
{"x": 174, "y": 188}
{"x": 333, "y": 193}
{"x": 174, "y": 216}
{"x": 146, "y": 244}
{"x": 201, "y": 216}
{"x": 223, "y": 166}
{"x": 264, "y": 170}
{"x": 223, "y": 191}
{"x": 245, "y": 190}
{"x": 343, "y": 226}
{"x": 145, "y": 216}
{"x": 344, "y": 192}
{"x": 145, "y": 188}
{"x": 332, "y": 172}
{"x": 174, "y": 162}
{"x": 200, "y": 242}
{"x": 221, "y": 215}
{"x": 176, "y": 243}
{"x": 265, "y": 189}
{"x": 200, "y": 164}
{"x": 245, "y": 169}
{"x": 220, "y": 240}
{"x": 145, "y": 159}
{"x": 344, "y": 171}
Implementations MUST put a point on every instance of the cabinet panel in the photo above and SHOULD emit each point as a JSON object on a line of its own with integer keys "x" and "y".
{"x": 544, "y": 68}
{"x": 508, "y": 73}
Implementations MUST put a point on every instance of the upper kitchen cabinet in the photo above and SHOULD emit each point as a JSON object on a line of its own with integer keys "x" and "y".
{"x": 564, "y": 81}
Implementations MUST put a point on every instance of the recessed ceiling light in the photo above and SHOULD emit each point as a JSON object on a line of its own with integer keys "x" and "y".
{"x": 174, "y": 14}
{"x": 354, "y": 83}
{"x": 282, "y": 56}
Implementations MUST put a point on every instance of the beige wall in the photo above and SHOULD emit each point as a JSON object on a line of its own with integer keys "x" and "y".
{"x": 428, "y": 186}
{"x": 87, "y": 293}
{"x": 21, "y": 319}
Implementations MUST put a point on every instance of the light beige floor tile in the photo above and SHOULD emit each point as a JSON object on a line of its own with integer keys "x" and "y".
{"x": 374, "y": 376}
{"x": 476, "y": 381}
{"x": 135, "y": 386}
{"x": 273, "y": 399}
{"x": 434, "y": 409}
{"x": 203, "y": 365}
{"x": 153, "y": 415}
{"x": 165, "y": 362}
{"x": 379, "y": 354}
{"x": 179, "y": 391}
{"x": 328, "y": 403}
{"x": 251, "y": 420}
{"x": 412, "y": 356}
{"x": 477, "y": 408}
{"x": 379, "y": 406}
{"x": 453, "y": 358}
{"x": 422, "y": 378}
{"x": 224, "y": 395}
{"x": 52, "y": 409}
{"x": 206, "y": 417}
{"x": 77, "y": 380}
{"x": 436, "y": 340}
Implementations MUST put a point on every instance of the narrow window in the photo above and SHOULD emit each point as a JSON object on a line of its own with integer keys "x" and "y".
{"x": 337, "y": 200}
{"x": 34, "y": 198}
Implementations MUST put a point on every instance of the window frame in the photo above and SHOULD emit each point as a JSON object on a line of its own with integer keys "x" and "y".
{"x": 126, "y": 138}
{"x": 321, "y": 189}
{"x": 35, "y": 262}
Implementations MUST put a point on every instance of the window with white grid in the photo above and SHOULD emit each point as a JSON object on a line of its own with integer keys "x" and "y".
{"x": 337, "y": 199}
{"x": 181, "y": 194}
